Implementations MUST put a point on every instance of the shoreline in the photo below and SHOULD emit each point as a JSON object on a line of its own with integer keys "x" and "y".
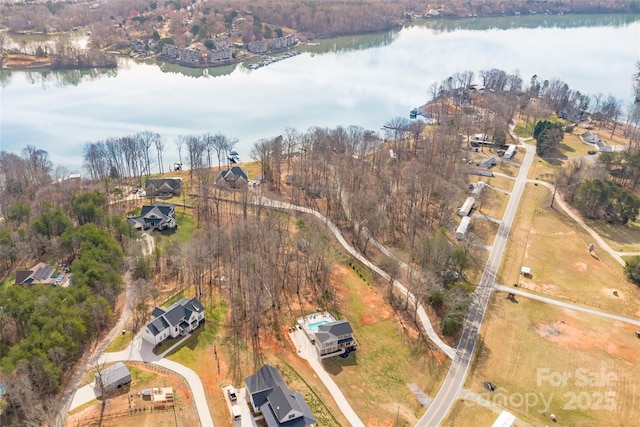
{"x": 416, "y": 20}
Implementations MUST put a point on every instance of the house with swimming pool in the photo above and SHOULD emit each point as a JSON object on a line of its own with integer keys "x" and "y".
{"x": 330, "y": 337}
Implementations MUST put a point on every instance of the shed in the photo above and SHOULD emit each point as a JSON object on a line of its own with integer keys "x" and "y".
{"x": 113, "y": 377}
{"x": 525, "y": 271}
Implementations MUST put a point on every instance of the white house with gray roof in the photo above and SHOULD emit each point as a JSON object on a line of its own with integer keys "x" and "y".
{"x": 180, "y": 318}
{"x": 335, "y": 338}
{"x": 271, "y": 397}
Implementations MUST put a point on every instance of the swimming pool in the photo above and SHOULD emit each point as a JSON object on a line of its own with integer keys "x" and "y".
{"x": 313, "y": 327}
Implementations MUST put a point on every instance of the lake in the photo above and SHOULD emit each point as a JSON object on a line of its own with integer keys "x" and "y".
{"x": 359, "y": 80}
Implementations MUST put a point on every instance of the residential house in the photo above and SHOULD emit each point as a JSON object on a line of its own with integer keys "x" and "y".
{"x": 234, "y": 177}
{"x": 179, "y": 319}
{"x": 158, "y": 216}
{"x": 163, "y": 187}
{"x": 593, "y": 139}
{"x": 334, "y": 338}
{"x": 42, "y": 273}
{"x": 280, "y": 406}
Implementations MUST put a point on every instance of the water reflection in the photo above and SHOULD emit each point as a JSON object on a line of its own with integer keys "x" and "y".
{"x": 167, "y": 67}
{"x": 57, "y": 78}
{"x": 529, "y": 21}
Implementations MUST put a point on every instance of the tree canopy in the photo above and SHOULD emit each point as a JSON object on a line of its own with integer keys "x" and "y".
{"x": 547, "y": 135}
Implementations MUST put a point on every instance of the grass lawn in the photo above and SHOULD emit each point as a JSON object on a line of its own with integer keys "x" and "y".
{"x": 190, "y": 352}
{"x": 469, "y": 413}
{"x": 175, "y": 298}
{"x": 483, "y": 231}
{"x": 572, "y": 146}
{"x": 390, "y": 357}
{"x": 526, "y": 346}
{"x": 500, "y": 183}
{"x": 524, "y": 130}
{"x": 506, "y": 167}
{"x": 492, "y": 203}
{"x": 186, "y": 227}
{"x": 622, "y": 238}
{"x": 556, "y": 250}
{"x": 120, "y": 342}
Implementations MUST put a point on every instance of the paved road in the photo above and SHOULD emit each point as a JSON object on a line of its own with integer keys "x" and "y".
{"x": 458, "y": 371}
{"x": 568, "y": 305}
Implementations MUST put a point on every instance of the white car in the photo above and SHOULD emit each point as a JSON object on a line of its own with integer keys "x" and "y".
{"x": 235, "y": 412}
{"x": 232, "y": 393}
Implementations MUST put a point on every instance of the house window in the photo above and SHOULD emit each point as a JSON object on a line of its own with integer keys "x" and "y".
{"x": 292, "y": 416}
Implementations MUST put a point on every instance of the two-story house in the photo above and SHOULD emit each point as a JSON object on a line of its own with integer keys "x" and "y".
{"x": 334, "y": 338}
{"x": 280, "y": 406}
{"x": 180, "y": 318}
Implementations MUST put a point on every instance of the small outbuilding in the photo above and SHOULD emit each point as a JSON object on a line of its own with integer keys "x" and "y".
{"x": 113, "y": 377}
{"x": 525, "y": 271}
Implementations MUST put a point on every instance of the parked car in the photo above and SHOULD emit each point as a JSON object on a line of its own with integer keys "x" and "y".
{"x": 235, "y": 412}
{"x": 232, "y": 393}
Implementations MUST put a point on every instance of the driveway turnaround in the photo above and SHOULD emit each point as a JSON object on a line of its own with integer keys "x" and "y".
{"x": 141, "y": 351}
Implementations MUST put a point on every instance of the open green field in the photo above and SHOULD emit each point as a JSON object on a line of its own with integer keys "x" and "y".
{"x": 492, "y": 203}
{"x": 483, "y": 231}
{"x": 506, "y": 167}
{"x": 556, "y": 250}
{"x": 621, "y": 238}
{"x": 545, "y": 359}
{"x": 390, "y": 357}
{"x": 469, "y": 413}
{"x": 500, "y": 183}
{"x": 120, "y": 342}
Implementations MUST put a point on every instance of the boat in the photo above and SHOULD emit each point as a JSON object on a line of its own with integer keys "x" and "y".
{"x": 233, "y": 157}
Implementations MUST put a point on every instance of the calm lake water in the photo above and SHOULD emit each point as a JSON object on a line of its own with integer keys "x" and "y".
{"x": 361, "y": 80}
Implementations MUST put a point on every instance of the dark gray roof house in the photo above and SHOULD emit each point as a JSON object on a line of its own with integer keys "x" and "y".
{"x": 163, "y": 187}
{"x": 234, "y": 177}
{"x": 279, "y": 405}
{"x": 42, "y": 273}
{"x": 334, "y": 338}
{"x": 180, "y": 318}
{"x": 158, "y": 216}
